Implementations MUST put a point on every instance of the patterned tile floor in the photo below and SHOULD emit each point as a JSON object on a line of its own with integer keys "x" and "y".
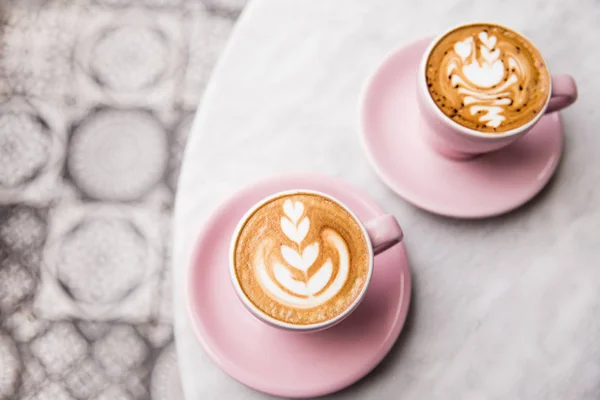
{"x": 96, "y": 100}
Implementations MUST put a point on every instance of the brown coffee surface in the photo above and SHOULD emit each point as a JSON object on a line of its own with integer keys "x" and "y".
{"x": 301, "y": 258}
{"x": 487, "y": 78}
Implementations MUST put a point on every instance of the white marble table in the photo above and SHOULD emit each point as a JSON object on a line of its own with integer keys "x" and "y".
{"x": 504, "y": 308}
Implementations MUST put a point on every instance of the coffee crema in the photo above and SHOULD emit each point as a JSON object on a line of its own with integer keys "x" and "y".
{"x": 488, "y": 78}
{"x": 301, "y": 258}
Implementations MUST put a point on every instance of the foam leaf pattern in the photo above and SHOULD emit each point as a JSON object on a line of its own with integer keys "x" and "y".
{"x": 286, "y": 287}
{"x": 293, "y": 232}
{"x": 318, "y": 281}
{"x": 301, "y": 261}
{"x": 464, "y": 48}
{"x": 289, "y": 282}
{"x": 314, "y": 285}
{"x": 303, "y": 229}
{"x": 490, "y": 57}
{"x": 293, "y": 210}
{"x": 488, "y": 41}
{"x": 285, "y": 279}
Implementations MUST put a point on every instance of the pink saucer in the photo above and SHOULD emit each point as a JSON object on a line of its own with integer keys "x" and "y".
{"x": 286, "y": 363}
{"x": 488, "y": 185}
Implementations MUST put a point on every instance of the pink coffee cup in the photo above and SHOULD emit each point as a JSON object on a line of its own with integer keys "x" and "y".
{"x": 459, "y": 142}
{"x": 380, "y": 233}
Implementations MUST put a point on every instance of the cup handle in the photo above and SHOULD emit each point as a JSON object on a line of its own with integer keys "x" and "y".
{"x": 564, "y": 92}
{"x": 384, "y": 232}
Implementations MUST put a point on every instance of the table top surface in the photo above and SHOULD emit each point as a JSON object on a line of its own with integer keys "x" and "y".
{"x": 503, "y": 308}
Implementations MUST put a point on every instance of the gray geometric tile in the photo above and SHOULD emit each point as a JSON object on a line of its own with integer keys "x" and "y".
{"x": 22, "y": 234}
{"x": 230, "y": 8}
{"x": 25, "y": 148}
{"x": 93, "y": 330}
{"x": 85, "y": 290}
{"x": 206, "y": 39}
{"x": 161, "y": 4}
{"x": 120, "y": 351}
{"x": 9, "y": 366}
{"x": 101, "y": 262}
{"x": 36, "y": 56}
{"x": 117, "y": 155}
{"x": 178, "y": 141}
{"x": 59, "y": 348}
{"x": 86, "y": 379}
{"x": 33, "y": 375}
{"x": 165, "y": 380}
{"x": 16, "y": 283}
{"x": 129, "y": 58}
{"x": 113, "y": 393}
{"x": 157, "y": 334}
{"x": 52, "y": 391}
{"x": 24, "y": 324}
{"x": 136, "y": 383}
{"x": 21, "y": 229}
{"x": 165, "y": 305}
{"x": 32, "y": 137}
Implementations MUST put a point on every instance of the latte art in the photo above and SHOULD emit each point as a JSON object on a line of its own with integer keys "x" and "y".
{"x": 487, "y": 78}
{"x": 291, "y": 282}
{"x": 481, "y": 80}
{"x": 301, "y": 259}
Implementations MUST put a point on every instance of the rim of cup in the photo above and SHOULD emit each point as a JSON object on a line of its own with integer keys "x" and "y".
{"x": 264, "y": 316}
{"x": 455, "y": 125}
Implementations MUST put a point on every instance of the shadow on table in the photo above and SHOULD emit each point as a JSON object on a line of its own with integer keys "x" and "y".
{"x": 399, "y": 348}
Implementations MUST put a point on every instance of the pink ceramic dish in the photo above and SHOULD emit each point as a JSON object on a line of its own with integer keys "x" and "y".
{"x": 490, "y": 184}
{"x": 293, "y": 364}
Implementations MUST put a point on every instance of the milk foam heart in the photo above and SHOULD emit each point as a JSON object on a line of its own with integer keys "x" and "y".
{"x": 301, "y": 258}
{"x": 293, "y": 210}
{"x": 487, "y": 77}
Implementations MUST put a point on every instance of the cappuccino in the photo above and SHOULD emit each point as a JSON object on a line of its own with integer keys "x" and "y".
{"x": 301, "y": 258}
{"x": 487, "y": 78}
